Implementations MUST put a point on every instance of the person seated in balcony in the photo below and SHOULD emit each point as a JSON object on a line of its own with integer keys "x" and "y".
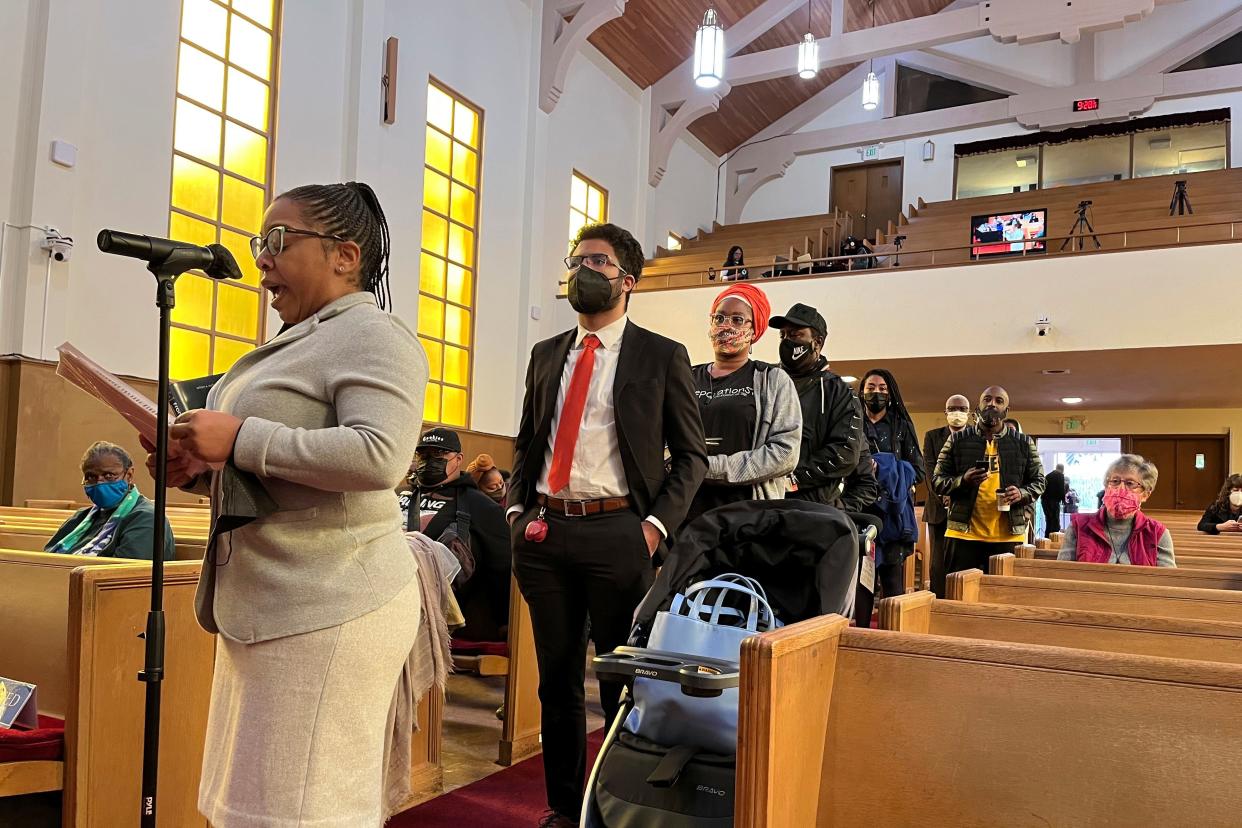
{"x": 1119, "y": 533}
{"x": 734, "y": 267}
{"x": 853, "y": 246}
{"x": 121, "y": 524}
{"x": 1225, "y": 514}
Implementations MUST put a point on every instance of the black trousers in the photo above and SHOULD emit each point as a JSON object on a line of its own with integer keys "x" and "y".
{"x": 889, "y": 581}
{"x": 592, "y": 569}
{"x": 973, "y": 554}
{"x": 1052, "y": 517}
{"x": 936, "y": 531}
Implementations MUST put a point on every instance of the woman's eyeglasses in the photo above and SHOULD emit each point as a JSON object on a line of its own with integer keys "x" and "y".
{"x": 90, "y": 478}
{"x": 274, "y": 241}
{"x": 734, "y": 320}
{"x": 595, "y": 260}
{"x": 1117, "y": 482}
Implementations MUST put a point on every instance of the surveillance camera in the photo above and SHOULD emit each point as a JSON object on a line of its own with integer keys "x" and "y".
{"x": 1042, "y": 326}
{"x": 57, "y": 246}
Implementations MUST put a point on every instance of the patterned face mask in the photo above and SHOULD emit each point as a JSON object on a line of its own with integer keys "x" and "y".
{"x": 729, "y": 340}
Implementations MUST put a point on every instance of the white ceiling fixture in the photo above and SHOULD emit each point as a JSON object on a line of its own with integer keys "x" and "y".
{"x": 1025, "y": 160}
{"x": 1071, "y": 400}
{"x": 709, "y": 51}
{"x": 808, "y": 50}
{"x": 871, "y": 86}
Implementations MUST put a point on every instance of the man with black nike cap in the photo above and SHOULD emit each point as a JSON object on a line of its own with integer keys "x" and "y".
{"x": 832, "y": 435}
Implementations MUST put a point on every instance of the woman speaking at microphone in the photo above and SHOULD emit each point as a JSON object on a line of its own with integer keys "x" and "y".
{"x": 316, "y": 604}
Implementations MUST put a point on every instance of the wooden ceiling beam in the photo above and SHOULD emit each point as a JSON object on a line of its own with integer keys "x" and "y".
{"x": 566, "y": 26}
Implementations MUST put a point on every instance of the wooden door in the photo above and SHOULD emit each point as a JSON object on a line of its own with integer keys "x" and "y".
{"x": 883, "y": 196}
{"x": 849, "y": 194}
{"x": 1200, "y": 469}
{"x": 1163, "y": 452}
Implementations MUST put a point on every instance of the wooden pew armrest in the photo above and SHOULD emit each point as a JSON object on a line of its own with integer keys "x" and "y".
{"x": 17, "y": 778}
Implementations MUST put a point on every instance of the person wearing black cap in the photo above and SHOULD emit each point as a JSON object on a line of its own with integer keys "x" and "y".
{"x": 451, "y": 508}
{"x": 832, "y": 431}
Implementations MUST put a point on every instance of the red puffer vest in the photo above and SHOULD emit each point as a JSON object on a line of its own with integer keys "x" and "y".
{"x": 1095, "y": 547}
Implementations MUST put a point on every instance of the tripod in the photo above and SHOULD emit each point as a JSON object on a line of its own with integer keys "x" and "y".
{"x": 1081, "y": 229}
{"x": 1181, "y": 201}
{"x": 897, "y": 240}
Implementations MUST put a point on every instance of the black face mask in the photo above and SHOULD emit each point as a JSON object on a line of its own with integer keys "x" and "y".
{"x": 431, "y": 472}
{"x": 876, "y": 401}
{"x": 991, "y": 416}
{"x": 590, "y": 291}
{"x": 796, "y": 355}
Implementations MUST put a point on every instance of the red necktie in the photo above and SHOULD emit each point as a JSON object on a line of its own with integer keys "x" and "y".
{"x": 571, "y": 416}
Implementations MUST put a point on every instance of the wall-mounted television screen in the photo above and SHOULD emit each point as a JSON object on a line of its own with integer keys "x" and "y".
{"x": 1009, "y": 234}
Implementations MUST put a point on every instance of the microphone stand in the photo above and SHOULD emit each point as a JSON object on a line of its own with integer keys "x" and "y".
{"x": 166, "y": 271}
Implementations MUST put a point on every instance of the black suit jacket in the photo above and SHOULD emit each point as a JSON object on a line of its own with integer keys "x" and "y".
{"x": 933, "y": 442}
{"x": 653, "y": 395}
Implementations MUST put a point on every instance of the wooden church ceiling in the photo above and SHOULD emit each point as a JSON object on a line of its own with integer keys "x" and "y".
{"x": 654, "y": 37}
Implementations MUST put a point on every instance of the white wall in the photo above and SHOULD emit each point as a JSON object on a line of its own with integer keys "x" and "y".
{"x": 1096, "y": 302}
{"x": 685, "y": 201}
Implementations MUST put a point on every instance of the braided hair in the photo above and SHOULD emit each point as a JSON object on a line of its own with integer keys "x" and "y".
{"x": 896, "y": 405}
{"x": 353, "y": 212}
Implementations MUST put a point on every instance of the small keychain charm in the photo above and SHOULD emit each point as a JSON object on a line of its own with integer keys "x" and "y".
{"x": 537, "y": 529}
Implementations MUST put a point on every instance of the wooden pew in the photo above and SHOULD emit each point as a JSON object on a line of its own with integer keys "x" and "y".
{"x": 831, "y": 734}
{"x": 521, "y": 729}
{"x": 922, "y": 612}
{"x": 33, "y": 540}
{"x": 1133, "y": 599}
{"x": 1009, "y": 564}
{"x": 1206, "y": 559}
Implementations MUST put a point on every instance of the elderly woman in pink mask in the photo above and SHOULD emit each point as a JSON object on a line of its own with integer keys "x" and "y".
{"x": 751, "y": 415}
{"x": 1120, "y": 533}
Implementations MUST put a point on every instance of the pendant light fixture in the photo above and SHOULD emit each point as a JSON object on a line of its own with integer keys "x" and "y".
{"x": 808, "y": 50}
{"x": 871, "y": 86}
{"x": 709, "y": 51}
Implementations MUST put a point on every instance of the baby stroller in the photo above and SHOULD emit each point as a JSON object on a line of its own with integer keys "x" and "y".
{"x": 662, "y": 770}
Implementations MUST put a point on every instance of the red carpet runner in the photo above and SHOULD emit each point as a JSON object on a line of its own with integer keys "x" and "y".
{"x": 511, "y": 798}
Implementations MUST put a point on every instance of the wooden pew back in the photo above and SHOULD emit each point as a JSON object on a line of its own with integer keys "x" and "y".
{"x": 1009, "y": 564}
{"x": 978, "y": 733}
{"x": 1133, "y": 599}
{"x": 922, "y": 612}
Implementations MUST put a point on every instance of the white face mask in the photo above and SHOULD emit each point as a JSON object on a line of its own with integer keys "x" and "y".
{"x": 1235, "y": 498}
{"x": 957, "y": 419}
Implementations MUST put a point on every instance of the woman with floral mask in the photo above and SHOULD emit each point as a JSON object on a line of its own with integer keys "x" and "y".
{"x": 1119, "y": 533}
{"x": 121, "y": 524}
{"x": 751, "y": 415}
{"x": 1225, "y": 515}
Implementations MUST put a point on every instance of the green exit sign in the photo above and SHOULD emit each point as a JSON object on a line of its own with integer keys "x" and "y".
{"x": 1071, "y": 425}
{"x": 871, "y": 153}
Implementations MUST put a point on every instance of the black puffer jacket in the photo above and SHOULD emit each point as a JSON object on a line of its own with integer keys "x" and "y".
{"x": 1020, "y": 466}
{"x": 832, "y": 435}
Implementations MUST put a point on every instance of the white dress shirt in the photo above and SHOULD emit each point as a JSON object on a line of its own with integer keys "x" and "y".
{"x": 596, "y": 471}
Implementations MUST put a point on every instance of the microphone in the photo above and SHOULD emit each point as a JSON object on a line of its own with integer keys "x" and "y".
{"x": 215, "y": 259}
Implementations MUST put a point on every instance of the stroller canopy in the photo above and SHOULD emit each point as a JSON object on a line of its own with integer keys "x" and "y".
{"x": 804, "y": 554}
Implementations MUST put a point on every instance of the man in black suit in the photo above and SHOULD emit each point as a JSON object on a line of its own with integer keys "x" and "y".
{"x": 935, "y": 513}
{"x": 1052, "y": 499}
{"x": 590, "y": 501}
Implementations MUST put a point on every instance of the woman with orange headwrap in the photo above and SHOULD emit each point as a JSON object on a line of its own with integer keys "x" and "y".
{"x": 751, "y": 415}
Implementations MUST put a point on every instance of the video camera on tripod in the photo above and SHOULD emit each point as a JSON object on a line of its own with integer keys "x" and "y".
{"x": 1081, "y": 229}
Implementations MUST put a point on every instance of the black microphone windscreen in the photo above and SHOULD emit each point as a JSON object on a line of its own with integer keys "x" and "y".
{"x": 223, "y": 265}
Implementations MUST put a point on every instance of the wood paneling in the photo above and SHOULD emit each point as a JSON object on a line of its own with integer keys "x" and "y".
{"x": 653, "y": 37}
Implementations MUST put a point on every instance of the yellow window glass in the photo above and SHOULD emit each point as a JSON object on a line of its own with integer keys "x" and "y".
{"x": 431, "y": 403}
{"x": 197, "y": 132}
{"x": 205, "y": 23}
{"x": 438, "y": 150}
{"x": 461, "y": 245}
{"x": 190, "y": 353}
{"x": 435, "y": 191}
{"x": 576, "y": 222}
{"x": 260, "y": 11}
{"x": 245, "y": 152}
{"x": 201, "y": 77}
{"x": 250, "y": 48}
{"x": 439, "y": 108}
{"x": 463, "y": 204}
{"x": 435, "y": 354}
{"x": 194, "y": 296}
{"x": 431, "y": 275}
{"x": 186, "y": 229}
{"x": 465, "y": 165}
{"x": 578, "y": 194}
{"x": 247, "y": 100}
{"x": 239, "y": 245}
{"x": 435, "y": 233}
{"x": 465, "y": 124}
{"x": 455, "y": 406}
{"x": 243, "y": 205}
{"x": 595, "y": 206}
{"x": 237, "y": 311}
{"x": 456, "y": 365}
{"x": 459, "y": 287}
{"x": 456, "y": 325}
{"x": 195, "y": 188}
{"x": 229, "y": 351}
{"x": 430, "y": 317}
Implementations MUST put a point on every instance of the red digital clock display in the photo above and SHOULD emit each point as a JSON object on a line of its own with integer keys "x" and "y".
{"x": 1087, "y": 105}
